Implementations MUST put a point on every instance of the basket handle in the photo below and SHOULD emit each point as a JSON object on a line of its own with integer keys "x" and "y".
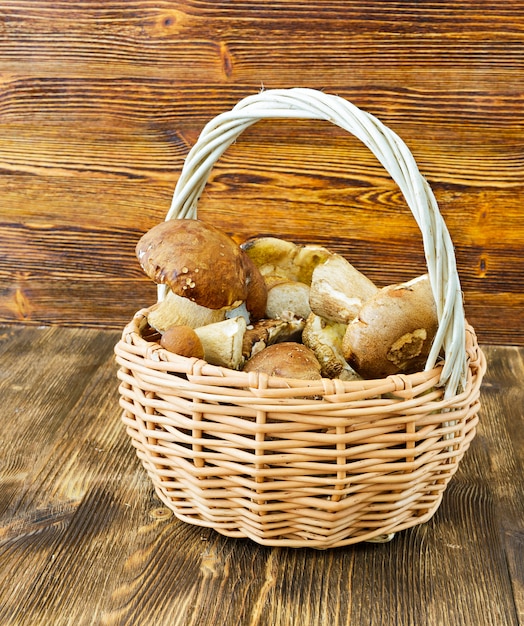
{"x": 395, "y": 157}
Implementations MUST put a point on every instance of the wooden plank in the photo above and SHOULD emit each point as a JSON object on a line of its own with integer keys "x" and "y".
{"x": 65, "y": 462}
{"x": 372, "y": 227}
{"x": 499, "y": 456}
{"x": 377, "y": 39}
{"x": 84, "y": 540}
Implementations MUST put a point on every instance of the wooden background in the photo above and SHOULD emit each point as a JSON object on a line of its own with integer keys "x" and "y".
{"x": 101, "y": 100}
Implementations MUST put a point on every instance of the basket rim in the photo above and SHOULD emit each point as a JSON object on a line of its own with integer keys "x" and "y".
{"x": 269, "y": 386}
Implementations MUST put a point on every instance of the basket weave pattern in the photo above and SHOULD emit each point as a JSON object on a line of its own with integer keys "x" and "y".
{"x": 305, "y": 463}
{"x": 322, "y": 465}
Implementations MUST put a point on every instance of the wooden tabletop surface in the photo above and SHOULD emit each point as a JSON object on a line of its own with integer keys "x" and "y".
{"x": 85, "y": 540}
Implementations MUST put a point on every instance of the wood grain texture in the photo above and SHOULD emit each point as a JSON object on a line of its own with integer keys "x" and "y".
{"x": 84, "y": 540}
{"x": 101, "y": 101}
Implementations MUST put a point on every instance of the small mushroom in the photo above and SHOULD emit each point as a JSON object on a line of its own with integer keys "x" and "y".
{"x": 394, "y": 330}
{"x": 338, "y": 290}
{"x": 285, "y": 360}
{"x": 182, "y": 340}
{"x": 324, "y": 338}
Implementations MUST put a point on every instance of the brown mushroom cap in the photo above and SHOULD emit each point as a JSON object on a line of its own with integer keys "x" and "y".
{"x": 256, "y": 298}
{"x": 196, "y": 261}
{"x": 286, "y": 360}
{"x": 393, "y": 331}
{"x": 281, "y": 259}
{"x": 182, "y": 340}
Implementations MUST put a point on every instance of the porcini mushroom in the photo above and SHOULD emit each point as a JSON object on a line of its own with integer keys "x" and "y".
{"x": 182, "y": 340}
{"x": 338, "y": 290}
{"x": 200, "y": 263}
{"x": 286, "y": 360}
{"x": 279, "y": 259}
{"x": 394, "y": 330}
{"x": 324, "y": 338}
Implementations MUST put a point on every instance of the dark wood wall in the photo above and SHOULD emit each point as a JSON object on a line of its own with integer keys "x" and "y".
{"x": 100, "y": 102}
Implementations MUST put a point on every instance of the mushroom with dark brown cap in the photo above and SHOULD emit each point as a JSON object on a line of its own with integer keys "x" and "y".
{"x": 285, "y": 360}
{"x": 200, "y": 263}
{"x": 182, "y": 340}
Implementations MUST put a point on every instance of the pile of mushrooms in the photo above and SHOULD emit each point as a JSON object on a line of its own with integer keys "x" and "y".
{"x": 273, "y": 306}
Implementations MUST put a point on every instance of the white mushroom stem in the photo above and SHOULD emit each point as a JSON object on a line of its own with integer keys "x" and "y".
{"x": 222, "y": 342}
{"x": 288, "y": 297}
{"x": 176, "y": 310}
{"x": 338, "y": 290}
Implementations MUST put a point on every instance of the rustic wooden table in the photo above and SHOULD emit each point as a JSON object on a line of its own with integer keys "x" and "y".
{"x": 84, "y": 539}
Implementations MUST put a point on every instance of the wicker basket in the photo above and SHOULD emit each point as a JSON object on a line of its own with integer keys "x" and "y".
{"x": 305, "y": 463}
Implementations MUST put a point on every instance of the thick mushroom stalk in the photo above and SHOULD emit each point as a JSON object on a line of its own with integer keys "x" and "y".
{"x": 222, "y": 342}
{"x": 288, "y": 298}
{"x": 175, "y": 310}
{"x": 338, "y": 290}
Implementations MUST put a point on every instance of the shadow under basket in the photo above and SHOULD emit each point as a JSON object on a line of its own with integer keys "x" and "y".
{"x": 322, "y": 463}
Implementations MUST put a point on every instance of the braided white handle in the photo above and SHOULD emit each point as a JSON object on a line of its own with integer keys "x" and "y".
{"x": 395, "y": 157}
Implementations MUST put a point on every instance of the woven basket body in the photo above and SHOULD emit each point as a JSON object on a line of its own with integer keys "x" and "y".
{"x": 305, "y": 463}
